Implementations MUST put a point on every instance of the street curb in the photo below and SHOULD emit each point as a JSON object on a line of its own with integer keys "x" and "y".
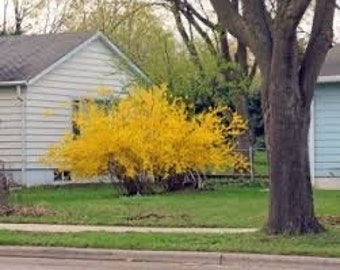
{"x": 209, "y": 258}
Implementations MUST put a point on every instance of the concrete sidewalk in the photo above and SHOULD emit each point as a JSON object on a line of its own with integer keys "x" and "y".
{"x": 117, "y": 229}
{"x": 201, "y": 258}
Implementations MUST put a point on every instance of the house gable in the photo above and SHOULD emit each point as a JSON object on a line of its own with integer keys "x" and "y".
{"x": 119, "y": 56}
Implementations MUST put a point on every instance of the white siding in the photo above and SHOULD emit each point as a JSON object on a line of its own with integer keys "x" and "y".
{"x": 10, "y": 128}
{"x": 49, "y": 99}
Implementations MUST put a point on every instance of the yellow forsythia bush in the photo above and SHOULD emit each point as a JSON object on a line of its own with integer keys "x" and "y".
{"x": 146, "y": 134}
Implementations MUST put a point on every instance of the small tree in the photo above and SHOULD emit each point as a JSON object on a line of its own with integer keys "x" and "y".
{"x": 147, "y": 138}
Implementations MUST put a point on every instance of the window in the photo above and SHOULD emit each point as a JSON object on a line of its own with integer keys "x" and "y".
{"x": 62, "y": 175}
{"x": 75, "y": 109}
{"x": 76, "y": 105}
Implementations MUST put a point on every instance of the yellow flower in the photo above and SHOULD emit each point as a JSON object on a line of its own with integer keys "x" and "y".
{"x": 104, "y": 91}
{"x": 146, "y": 134}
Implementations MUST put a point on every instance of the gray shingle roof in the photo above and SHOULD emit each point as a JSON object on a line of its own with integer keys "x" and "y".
{"x": 331, "y": 65}
{"x": 24, "y": 57}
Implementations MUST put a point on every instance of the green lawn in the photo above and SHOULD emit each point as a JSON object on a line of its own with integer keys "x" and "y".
{"x": 325, "y": 244}
{"x": 227, "y": 206}
{"x": 260, "y": 163}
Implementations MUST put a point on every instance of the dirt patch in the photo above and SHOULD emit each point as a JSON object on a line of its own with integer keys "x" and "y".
{"x": 330, "y": 220}
{"x": 26, "y": 211}
{"x": 155, "y": 216}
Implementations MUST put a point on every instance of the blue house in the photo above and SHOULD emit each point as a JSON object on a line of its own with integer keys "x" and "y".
{"x": 324, "y": 143}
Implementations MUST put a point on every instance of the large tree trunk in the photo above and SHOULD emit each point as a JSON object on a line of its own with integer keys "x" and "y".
{"x": 288, "y": 79}
{"x": 291, "y": 199}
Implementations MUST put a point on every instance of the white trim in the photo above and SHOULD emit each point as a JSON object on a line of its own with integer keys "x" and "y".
{"x": 311, "y": 141}
{"x": 332, "y": 78}
{"x": 96, "y": 36}
{"x": 22, "y": 99}
{"x": 12, "y": 83}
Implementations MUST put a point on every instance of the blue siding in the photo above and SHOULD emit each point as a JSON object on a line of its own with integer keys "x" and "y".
{"x": 327, "y": 130}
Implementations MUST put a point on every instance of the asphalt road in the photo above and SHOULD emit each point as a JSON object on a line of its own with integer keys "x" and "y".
{"x": 18, "y": 263}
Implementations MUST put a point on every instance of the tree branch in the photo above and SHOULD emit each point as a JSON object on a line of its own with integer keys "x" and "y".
{"x": 4, "y": 23}
{"x": 319, "y": 43}
{"x": 205, "y": 21}
{"x": 224, "y": 45}
{"x": 242, "y": 57}
{"x": 256, "y": 15}
{"x": 232, "y": 21}
{"x": 194, "y": 56}
{"x": 252, "y": 71}
{"x": 188, "y": 15}
{"x": 245, "y": 29}
{"x": 294, "y": 13}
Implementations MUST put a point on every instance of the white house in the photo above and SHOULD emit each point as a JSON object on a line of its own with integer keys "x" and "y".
{"x": 40, "y": 74}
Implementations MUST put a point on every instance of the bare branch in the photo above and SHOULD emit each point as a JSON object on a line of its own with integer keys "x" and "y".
{"x": 224, "y": 45}
{"x": 194, "y": 56}
{"x": 294, "y": 13}
{"x": 319, "y": 43}
{"x": 188, "y": 15}
{"x": 232, "y": 20}
{"x": 184, "y": 6}
{"x": 256, "y": 15}
{"x": 244, "y": 28}
{"x": 194, "y": 12}
{"x": 4, "y": 23}
{"x": 241, "y": 57}
{"x": 252, "y": 71}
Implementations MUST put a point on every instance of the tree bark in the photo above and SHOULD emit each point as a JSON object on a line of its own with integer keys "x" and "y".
{"x": 245, "y": 140}
{"x": 291, "y": 200}
{"x": 291, "y": 208}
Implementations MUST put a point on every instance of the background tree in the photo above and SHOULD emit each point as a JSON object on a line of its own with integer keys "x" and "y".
{"x": 49, "y": 16}
{"x": 289, "y": 76}
{"x": 16, "y": 14}
{"x": 234, "y": 70}
{"x": 132, "y": 26}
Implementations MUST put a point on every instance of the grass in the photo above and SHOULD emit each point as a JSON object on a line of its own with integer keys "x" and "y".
{"x": 325, "y": 244}
{"x": 227, "y": 206}
{"x": 260, "y": 163}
